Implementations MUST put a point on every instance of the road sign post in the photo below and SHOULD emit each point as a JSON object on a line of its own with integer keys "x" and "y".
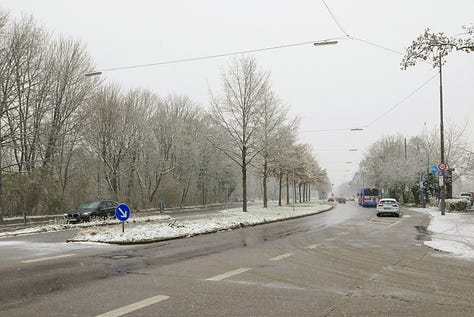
{"x": 122, "y": 212}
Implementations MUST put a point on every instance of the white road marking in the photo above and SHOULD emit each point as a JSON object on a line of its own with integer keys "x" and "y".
{"x": 393, "y": 224}
{"x": 312, "y": 246}
{"x": 135, "y": 306}
{"x": 48, "y": 258}
{"x": 331, "y": 239}
{"x": 280, "y": 257}
{"x": 228, "y": 274}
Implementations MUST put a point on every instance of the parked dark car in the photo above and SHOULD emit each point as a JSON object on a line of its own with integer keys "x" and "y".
{"x": 92, "y": 209}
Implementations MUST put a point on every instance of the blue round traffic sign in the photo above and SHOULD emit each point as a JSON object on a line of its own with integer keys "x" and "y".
{"x": 122, "y": 212}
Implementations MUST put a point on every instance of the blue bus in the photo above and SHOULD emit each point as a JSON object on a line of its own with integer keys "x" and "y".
{"x": 369, "y": 197}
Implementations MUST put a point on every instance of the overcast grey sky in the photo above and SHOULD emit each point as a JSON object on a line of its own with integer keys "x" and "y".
{"x": 332, "y": 88}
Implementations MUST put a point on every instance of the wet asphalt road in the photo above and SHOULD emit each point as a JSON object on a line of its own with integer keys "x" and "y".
{"x": 344, "y": 262}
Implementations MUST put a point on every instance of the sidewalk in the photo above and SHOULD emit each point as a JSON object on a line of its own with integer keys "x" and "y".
{"x": 452, "y": 233}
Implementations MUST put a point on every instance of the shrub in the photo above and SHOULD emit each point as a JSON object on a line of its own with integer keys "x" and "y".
{"x": 456, "y": 204}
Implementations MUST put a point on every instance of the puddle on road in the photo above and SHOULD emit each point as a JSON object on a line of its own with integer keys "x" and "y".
{"x": 423, "y": 234}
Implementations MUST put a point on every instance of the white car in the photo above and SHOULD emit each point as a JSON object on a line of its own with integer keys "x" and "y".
{"x": 388, "y": 206}
{"x": 468, "y": 197}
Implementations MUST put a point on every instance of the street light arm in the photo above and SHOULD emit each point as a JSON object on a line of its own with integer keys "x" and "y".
{"x": 321, "y": 43}
{"x": 92, "y": 74}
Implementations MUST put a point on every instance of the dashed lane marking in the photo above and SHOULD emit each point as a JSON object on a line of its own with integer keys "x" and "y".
{"x": 280, "y": 257}
{"x": 228, "y": 274}
{"x": 48, "y": 258}
{"x": 135, "y": 306}
{"x": 313, "y": 246}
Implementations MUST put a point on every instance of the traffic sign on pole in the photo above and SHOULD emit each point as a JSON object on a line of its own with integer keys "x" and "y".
{"x": 122, "y": 212}
{"x": 433, "y": 169}
{"x": 442, "y": 166}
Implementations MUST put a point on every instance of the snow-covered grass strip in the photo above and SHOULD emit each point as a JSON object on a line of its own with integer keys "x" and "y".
{"x": 228, "y": 219}
{"x": 68, "y": 226}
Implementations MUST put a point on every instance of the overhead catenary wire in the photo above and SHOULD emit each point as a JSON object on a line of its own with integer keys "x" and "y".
{"x": 396, "y": 105}
{"x": 335, "y": 20}
{"x": 339, "y": 25}
{"x": 215, "y": 55}
{"x": 403, "y": 100}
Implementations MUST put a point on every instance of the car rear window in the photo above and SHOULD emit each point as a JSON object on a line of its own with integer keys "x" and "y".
{"x": 388, "y": 202}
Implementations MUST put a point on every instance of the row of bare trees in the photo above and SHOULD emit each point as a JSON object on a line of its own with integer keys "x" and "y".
{"x": 66, "y": 138}
{"x": 397, "y": 164}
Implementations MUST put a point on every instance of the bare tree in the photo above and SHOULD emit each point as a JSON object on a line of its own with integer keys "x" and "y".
{"x": 271, "y": 136}
{"x": 239, "y": 114}
{"x": 108, "y": 133}
{"x": 6, "y": 89}
{"x": 435, "y": 47}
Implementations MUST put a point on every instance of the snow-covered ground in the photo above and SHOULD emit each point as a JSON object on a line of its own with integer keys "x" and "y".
{"x": 452, "y": 233}
{"x": 61, "y": 226}
{"x": 227, "y": 219}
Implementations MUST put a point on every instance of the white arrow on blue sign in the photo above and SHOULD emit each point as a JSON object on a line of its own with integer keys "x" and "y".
{"x": 433, "y": 169}
{"x": 122, "y": 212}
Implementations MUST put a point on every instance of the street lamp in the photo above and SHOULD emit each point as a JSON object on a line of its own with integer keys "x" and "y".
{"x": 321, "y": 43}
{"x": 92, "y": 74}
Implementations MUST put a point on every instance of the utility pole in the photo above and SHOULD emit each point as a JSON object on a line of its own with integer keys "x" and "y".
{"x": 441, "y": 132}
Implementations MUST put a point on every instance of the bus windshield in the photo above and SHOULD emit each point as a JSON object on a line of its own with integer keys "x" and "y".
{"x": 371, "y": 192}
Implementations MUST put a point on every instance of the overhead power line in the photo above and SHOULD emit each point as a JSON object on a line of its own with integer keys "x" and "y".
{"x": 318, "y": 42}
{"x": 335, "y": 20}
{"x": 403, "y": 100}
{"x": 383, "y": 114}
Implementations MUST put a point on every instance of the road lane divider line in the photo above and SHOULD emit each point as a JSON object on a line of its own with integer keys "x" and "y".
{"x": 281, "y": 257}
{"x": 222, "y": 276}
{"x": 135, "y": 306}
{"x": 48, "y": 258}
{"x": 331, "y": 239}
{"x": 313, "y": 246}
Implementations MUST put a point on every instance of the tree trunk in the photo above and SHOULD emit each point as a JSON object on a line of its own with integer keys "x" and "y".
{"x": 280, "y": 187}
{"x": 287, "y": 189}
{"x": 309, "y": 192}
{"x": 265, "y": 198}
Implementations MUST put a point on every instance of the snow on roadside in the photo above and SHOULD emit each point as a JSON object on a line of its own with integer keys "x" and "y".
{"x": 67, "y": 226}
{"x": 452, "y": 233}
{"x": 227, "y": 219}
